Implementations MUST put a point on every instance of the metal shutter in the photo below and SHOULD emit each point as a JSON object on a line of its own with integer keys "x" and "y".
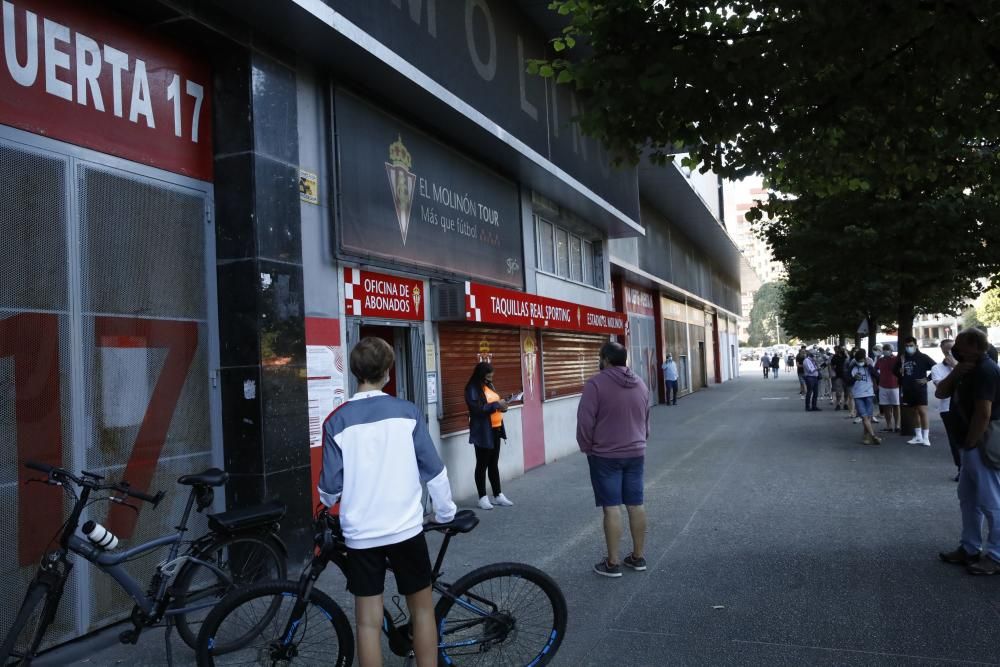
{"x": 568, "y": 361}
{"x": 462, "y": 346}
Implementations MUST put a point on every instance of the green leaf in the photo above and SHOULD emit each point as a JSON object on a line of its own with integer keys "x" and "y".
{"x": 565, "y": 76}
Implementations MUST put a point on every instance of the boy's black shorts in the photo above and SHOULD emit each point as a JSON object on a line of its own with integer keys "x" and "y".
{"x": 410, "y": 563}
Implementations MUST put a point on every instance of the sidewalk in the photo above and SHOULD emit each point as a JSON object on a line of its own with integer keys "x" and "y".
{"x": 775, "y": 538}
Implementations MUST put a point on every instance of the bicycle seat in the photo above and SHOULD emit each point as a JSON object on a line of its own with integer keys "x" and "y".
{"x": 247, "y": 517}
{"x": 211, "y": 477}
{"x": 464, "y": 521}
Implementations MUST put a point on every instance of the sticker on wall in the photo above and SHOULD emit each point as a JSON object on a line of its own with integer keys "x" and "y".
{"x": 308, "y": 187}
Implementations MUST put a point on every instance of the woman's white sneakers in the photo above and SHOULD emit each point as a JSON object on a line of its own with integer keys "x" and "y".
{"x": 502, "y": 501}
{"x": 497, "y": 501}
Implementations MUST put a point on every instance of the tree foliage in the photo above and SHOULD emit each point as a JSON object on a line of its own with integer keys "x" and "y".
{"x": 878, "y": 122}
{"x": 988, "y": 308}
{"x": 765, "y": 324}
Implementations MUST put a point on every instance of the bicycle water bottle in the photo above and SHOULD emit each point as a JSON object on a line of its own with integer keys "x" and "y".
{"x": 100, "y": 535}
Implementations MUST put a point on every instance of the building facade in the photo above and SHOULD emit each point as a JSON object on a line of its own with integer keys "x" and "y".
{"x": 207, "y": 204}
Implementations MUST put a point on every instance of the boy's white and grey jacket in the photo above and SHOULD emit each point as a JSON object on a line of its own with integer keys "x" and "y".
{"x": 376, "y": 453}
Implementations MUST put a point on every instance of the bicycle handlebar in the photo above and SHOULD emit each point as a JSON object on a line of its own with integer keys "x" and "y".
{"x": 121, "y": 487}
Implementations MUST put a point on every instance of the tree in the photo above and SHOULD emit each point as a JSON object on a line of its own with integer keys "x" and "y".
{"x": 765, "y": 325}
{"x": 883, "y": 111}
{"x": 988, "y": 309}
{"x": 970, "y": 318}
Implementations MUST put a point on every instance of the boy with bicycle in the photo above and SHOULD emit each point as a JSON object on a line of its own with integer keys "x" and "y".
{"x": 376, "y": 453}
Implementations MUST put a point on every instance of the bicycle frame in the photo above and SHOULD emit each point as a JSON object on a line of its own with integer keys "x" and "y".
{"x": 113, "y": 564}
{"x": 400, "y": 641}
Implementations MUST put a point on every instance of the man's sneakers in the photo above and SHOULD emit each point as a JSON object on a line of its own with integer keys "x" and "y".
{"x": 917, "y": 439}
{"x": 985, "y": 565}
{"x": 484, "y": 503}
{"x": 606, "y": 569}
{"x": 959, "y": 557}
{"x": 637, "y": 564}
{"x": 857, "y": 420}
{"x": 871, "y": 440}
{"x": 502, "y": 501}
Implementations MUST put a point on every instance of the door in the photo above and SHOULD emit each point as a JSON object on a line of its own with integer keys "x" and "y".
{"x": 107, "y": 345}
{"x": 388, "y": 334}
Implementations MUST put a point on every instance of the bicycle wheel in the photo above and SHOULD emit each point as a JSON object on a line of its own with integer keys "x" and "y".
{"x": 246, "y": 559}
{"x": 267, "y": 629}
{"x": 26, "y": 633}
{"x": 501, "y": 614}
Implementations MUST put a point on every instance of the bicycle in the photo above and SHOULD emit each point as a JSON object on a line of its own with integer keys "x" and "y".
{"x": 241, "y": 546}
{"x": 513, "y": 611}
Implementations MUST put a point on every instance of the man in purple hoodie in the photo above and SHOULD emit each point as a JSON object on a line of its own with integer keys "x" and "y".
{"x": 612, "y": 425}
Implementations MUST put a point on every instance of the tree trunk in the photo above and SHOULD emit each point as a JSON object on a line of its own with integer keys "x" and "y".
{"x": 872, "y": 331}
{"x": 843, "y": 340}
{"x": 905, "y": 323}
{"x": 907, "y": 415}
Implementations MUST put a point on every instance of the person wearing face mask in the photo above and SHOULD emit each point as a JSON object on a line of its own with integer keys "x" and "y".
{"x": 837, "y": 378}
{"x": 938, "y": 373}
{"x": 486, "y": 430}
{"x": 913, "y": 368}
{"x": 974, "y": 389}
{"x": 861, "y": 377}
{"x": 670, "y": 378}
{"x": 888, "y": 389}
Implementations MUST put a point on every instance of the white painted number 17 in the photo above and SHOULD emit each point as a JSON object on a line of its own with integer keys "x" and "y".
{"x": 196, "y": 91}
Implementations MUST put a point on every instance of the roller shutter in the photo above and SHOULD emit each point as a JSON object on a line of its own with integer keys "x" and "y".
{"x": 568, "y": 361}
{"x": 462, "y": 346}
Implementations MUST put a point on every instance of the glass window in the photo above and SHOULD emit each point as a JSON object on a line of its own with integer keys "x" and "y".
{"x": 575, "y": 259}
{"x": 546, "y": 259}
{"x": 598, "y": 266}
{"x": 562, "y": 252}
{"x": 588, "y": 262}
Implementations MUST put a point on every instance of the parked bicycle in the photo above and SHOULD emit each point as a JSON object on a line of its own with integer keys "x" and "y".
{"x": 500, "y": 614}
{"x": 241, "y": 547}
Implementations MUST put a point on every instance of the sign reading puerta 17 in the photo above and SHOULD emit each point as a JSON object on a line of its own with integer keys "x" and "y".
{"x": 408, "y": 198}
{"x": 77, "y": 75}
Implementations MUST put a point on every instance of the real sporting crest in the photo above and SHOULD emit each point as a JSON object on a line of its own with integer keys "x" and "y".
{"x": 401, "y": 181}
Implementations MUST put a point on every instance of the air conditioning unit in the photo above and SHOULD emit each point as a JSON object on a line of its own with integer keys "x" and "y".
{"x": 448, "y": 302}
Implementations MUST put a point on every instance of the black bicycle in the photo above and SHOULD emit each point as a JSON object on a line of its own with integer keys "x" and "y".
{"x": 241, "y": 547}
{"x": 500, "y": 614}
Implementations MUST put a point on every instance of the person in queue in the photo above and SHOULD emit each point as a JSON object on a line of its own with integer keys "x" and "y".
{"x": 973, "y": 386}
{"x": 486, "y": 430}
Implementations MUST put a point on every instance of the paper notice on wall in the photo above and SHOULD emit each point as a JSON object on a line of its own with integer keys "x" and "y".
{"x": 432, "y": 387}
{"x": 325, "y": 368}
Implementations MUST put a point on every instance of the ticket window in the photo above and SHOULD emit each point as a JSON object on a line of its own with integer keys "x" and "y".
{"x": 407, "y": 377}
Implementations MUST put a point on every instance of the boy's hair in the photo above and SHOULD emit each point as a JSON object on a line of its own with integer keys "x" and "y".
{"x": 370, "y": 359}
{"x": 614, "y": 353}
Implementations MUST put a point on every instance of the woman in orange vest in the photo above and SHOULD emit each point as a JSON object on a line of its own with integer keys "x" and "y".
{"x": 486, "y": 429}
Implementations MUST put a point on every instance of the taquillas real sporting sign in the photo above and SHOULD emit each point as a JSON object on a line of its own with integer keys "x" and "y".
{"x": 496, "y": 305}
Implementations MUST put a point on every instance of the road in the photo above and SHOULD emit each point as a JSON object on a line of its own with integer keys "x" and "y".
{"x": 775, "y": 538}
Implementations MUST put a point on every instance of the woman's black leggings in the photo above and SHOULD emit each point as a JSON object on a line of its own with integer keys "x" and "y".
{"x": 488, "y": 460}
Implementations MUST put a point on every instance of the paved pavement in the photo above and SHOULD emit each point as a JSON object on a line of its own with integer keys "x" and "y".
{"x": 775, "y": 538}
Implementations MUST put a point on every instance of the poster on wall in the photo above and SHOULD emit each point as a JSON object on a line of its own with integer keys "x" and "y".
{"x": 325, "y": 364}
{"x": 325, "y": 368}
{"x": 408, "y": 198}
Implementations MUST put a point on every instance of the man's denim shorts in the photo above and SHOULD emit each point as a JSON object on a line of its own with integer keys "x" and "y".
{"x": 616, "y": 481}
{"x": 865, "y": 406}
